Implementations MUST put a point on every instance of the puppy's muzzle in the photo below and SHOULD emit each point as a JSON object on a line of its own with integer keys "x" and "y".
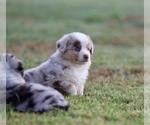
{"x": 66, "y": 108}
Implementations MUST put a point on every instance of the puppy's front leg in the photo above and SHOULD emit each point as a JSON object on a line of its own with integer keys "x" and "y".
{"x": 65, "y": 86}
{"x": 71, "y": 89}
{"x": 80, "y": 90}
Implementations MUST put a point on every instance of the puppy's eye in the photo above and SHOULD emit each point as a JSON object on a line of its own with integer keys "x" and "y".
{"x": 76, "y": 49}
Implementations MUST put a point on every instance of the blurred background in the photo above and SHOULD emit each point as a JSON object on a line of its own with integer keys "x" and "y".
{"x": 33, "y": 27}
{"x": 114, "y": 93}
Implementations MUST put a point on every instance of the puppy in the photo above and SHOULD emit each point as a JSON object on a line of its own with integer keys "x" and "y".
{"x": 29, "y": 96}
{"x": 67, "y": 69}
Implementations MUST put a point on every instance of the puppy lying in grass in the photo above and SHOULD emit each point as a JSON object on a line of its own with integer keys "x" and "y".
{"x": 67, "y": 69}
{"x": 28, "y": 96}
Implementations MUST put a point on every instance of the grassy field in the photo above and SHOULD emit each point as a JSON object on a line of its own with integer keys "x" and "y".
{"x": 114, "y": 90}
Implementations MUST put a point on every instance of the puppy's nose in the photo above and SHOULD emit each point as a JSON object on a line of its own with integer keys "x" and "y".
{"x": 85, "y": 57}
{"x": 66, "y": 107}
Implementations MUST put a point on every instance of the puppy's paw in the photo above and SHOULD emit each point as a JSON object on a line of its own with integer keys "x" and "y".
{"x": 80, "y": 90}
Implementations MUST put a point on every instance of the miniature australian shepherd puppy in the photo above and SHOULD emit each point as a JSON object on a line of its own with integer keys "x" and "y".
{"x": 27, "y": 96}
{"x": 67, "y": 69}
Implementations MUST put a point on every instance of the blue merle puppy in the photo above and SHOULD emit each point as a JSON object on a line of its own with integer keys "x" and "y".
{"x": 29, "y": 96}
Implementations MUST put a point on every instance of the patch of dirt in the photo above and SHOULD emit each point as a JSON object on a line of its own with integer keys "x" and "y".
{"x": 118, "y": 41}
{"x": 105, "y": 74}
{"x": 134, "y": 71}
{"x": 137, "y": 34}
{"x": 43, "y": 48}
{"x": 131, "y": 18}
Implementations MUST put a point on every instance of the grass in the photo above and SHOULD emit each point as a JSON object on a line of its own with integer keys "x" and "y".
{"x": 114, "y": 90}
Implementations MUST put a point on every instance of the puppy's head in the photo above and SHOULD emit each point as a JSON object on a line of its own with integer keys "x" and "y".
{"x": 14, "y": 64}
{"x": 76, "y": 47}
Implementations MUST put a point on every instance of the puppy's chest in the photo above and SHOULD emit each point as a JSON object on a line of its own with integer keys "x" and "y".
{"x": 75, "y": 75}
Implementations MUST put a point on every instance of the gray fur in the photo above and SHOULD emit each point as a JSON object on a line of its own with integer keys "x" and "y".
{"x": 29, "y": 96}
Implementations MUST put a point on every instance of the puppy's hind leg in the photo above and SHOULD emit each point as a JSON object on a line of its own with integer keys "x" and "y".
{"x": 65, "y": 87}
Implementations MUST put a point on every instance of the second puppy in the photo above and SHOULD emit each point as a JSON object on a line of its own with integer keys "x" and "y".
{"x": 67, "y": 69}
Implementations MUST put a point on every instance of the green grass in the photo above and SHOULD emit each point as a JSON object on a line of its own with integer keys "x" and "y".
{"x": 114, "y": 91}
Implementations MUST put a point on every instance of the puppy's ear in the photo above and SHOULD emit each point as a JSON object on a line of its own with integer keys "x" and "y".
{"x": 92, "y": 46}
{"x": 8, "y": 56}
{"x": 62, "y": 43}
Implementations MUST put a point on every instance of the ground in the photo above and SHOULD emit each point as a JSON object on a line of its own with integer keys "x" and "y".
{"x": 114, "y": 91}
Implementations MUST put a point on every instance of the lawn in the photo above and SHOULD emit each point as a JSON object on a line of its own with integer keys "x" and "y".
{"x": 114, "y": 93}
